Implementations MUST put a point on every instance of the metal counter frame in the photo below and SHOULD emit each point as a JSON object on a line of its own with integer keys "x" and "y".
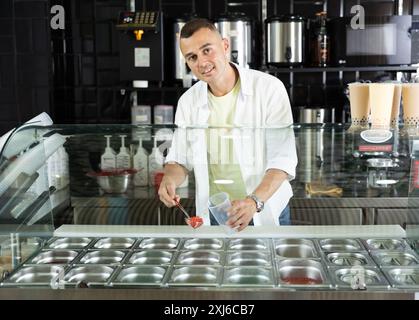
{"x": 197, "y": 293}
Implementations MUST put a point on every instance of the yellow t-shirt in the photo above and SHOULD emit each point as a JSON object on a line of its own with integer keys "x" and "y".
{"x": 224, "y": 171}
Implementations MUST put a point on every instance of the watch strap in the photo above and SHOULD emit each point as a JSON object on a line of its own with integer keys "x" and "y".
{"x": 259, "y": 203}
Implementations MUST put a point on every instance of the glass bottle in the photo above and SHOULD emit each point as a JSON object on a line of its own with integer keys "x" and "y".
{"x": 320, "y": 46}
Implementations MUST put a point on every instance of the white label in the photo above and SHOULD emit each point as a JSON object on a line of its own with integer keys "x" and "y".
{"x": 122, "y": 162}
{"x": 158, "y": 119}
{"x": 233, "y": 33}
{"x": 415, "y": 146}
{"x": 142, "y": 118}
{"x": 141, "y": 180}
{"x": 142, "y": 57}
{"x": 108, "y": 162}
{"x": 376, "y": 136}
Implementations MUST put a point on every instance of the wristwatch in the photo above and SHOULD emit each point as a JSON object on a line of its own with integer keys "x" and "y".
{"x": 259, "y": 204}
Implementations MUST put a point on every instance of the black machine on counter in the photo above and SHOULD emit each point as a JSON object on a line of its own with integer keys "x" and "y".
{"x": 376, "y": 143}
{"x": 383, "y": 153}
{"x": 141, "y": 45}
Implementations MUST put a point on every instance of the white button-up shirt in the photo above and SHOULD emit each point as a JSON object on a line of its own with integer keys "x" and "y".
{"x": 262, "y": 137}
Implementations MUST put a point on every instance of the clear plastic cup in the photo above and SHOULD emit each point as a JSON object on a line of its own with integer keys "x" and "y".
{"x": 381, "y": 103}
{"x": 395, "y": 110}
{"x": 218, "y": 205}
{"x": 359, "y": 103}
{"x": 163, "y": 114}
{"x": 141, "y": 114}
{"x": 410, "y": 95}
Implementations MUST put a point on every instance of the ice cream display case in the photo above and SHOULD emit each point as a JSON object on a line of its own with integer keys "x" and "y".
{"x": 62, "y": 230}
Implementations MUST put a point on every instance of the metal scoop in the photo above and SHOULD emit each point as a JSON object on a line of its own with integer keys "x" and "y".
{"x": 194, "y": 222}
{"x": 182, "y": 209}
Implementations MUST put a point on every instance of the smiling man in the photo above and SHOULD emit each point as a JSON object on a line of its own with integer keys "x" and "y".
{"x": 206, "y": 55}
{"x": 229, "y": 96}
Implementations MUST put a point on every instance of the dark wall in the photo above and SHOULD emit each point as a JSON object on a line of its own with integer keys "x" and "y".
{"x": 74, "y": 73}
{"x": 87, "y": 86}
{"x": 25, "y": 68}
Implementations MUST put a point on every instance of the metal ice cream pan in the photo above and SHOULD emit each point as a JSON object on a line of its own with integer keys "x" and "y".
{"x": 102, "y": 257}
{"x": 159, "y": 243}
{"x": 114, "y": 243}
{"x": 194, "y": 276}
{"x": 248, "y": 258}
{"x": 151, "y": 257}
{"x": 69, "y": 243}
{"x": 30, "y": 242}
{"x": 199, "y": 258}
{"x": 203, "y": 244}
{"x": 385, "y": 244}
{"x": 301, "y": 273}
{"x": 340, "y": 245}
{"x": 54, "y": 257}
{"x": 358, "y": 278}
{"x": 248, "y": 244}
{"x": 90, "y": 275}
{"x": 295, "y": 248}
{"x": 248, "y": 277}
{"x": 139, "y": 275}
{"x": 414, "y": 243}
{"x": 407, "y": 277}
{"x": 343, "y": 259}
{"x": 39, "y": 275}
{"x": 395, "y": 258}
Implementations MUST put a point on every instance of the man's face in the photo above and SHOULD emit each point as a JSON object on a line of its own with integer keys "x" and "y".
{"x": 205, "y": 53}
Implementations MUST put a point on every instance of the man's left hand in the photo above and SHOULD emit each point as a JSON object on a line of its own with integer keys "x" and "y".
{"x": 241, "y": 213}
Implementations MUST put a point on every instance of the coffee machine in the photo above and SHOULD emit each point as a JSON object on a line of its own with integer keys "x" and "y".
{"x": 381, "y": 157}
{"x": 380, "y": 173}
{"x": 141, "y": 46}
{"x": 375, "y": 143}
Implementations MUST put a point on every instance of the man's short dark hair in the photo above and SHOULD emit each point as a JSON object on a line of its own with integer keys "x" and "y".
{"x": 194, "y": 25}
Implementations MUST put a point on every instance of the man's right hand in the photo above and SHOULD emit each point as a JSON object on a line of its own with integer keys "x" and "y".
{"x": 167, "y": 191}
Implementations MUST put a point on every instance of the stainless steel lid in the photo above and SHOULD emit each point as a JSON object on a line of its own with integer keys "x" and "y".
{"x": 285, "y": 18}
{"x": 233, "y": 16}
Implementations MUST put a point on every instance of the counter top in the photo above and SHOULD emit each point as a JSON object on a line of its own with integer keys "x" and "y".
{"x": 348, "y": 231}
{"x": 191, "y": 293}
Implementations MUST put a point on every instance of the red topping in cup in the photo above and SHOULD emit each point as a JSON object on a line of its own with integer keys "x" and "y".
{"x": 301, "y": 280}
{"x": 195, "y": 222}
{"x": 113, "y": 172}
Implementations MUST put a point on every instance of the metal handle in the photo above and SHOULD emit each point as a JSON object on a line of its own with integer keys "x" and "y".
{"x": 30, "y": 212}
{"x": 182, "y": 209}
{"x": 12, "y": 197}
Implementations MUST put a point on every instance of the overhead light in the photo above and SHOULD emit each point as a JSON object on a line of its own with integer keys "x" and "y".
{"x": 386, "y": 182}
{"x": 223, "y": 181}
